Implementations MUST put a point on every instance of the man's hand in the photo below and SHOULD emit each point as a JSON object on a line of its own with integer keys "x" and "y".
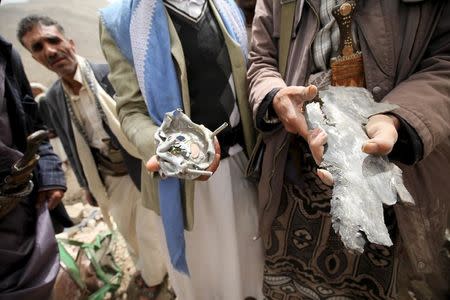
{"x": 382, "y": 132}
{"x": 288, "y": 105}
{"x": 215, "y": 163}
{"x": 53, "y": 198}
{"x": 317, "y": 138}
{"x": 152, "y": 164}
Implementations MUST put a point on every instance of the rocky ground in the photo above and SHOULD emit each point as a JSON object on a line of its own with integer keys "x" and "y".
{"x": 89, "y": 223}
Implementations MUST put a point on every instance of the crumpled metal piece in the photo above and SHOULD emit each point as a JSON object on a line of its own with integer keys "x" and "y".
{"x": 362, "y": 183}
{"x": 184, "y": 149}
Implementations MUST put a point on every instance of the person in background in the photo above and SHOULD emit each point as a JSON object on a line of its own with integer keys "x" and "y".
{"x": 79, "y": 107}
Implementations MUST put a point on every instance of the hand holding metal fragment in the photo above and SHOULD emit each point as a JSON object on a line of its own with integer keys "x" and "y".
{"x": 362, "y": 183}
{"x": 184, "y": 149}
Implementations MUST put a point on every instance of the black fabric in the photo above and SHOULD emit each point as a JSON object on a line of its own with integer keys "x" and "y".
{"x": 208, "y": 71}
{"x": 409, "y": 148}
{"x": 5, "y": 128}
{"x": 21, "y": 106}
{"x": 60, "y": 218}
{"x": 24, "y": 119}
{"x": 266, "y": 107}
{"x": 2, "y": 78}
{"x": 18, "y": 227}
{"x": 17, "y": 230}
{"x": 8, "y": 155}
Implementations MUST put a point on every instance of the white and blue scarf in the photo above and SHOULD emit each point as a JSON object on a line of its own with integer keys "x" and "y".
{"x": 140, "y": 30}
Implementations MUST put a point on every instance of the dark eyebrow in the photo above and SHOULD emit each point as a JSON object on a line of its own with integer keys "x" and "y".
{"x": 53, "y": 39}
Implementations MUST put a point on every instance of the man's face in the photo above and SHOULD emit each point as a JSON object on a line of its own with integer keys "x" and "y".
{"x": 50, "y": 48}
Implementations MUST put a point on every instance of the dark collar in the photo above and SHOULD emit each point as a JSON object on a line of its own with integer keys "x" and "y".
{"x": 5, "y": 47}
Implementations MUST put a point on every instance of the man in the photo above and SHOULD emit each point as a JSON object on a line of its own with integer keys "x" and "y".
{"x": 406, "y": 63}
{"x": 80, "y": 109}
{"x": 29, "y": 260}
{"x": 194, "y": 59}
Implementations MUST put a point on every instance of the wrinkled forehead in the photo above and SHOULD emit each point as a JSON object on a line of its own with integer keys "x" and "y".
{"x": 41, "y": 32}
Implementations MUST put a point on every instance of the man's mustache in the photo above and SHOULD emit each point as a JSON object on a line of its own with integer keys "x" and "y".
{"x": 56, "y": 57}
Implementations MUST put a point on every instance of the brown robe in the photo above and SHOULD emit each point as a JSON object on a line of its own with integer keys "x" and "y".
{"x": 406, "y": 58}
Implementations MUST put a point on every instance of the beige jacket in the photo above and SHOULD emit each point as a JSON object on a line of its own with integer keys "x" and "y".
{"x": 406, "y": 51}
{"x": 138, "y": 126}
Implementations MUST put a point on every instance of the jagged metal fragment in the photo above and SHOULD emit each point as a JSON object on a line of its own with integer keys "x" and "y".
{"x": 184, "y": 149}
{"x": 362, "y": 183}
